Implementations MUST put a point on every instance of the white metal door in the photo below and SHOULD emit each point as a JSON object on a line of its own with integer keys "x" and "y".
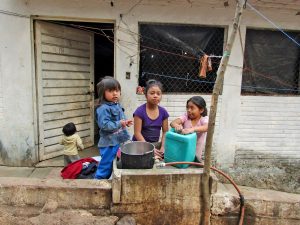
{"x": 65, "y": 84}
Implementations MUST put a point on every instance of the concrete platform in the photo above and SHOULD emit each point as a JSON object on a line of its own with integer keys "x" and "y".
{"x": 138, "y": 193}
{"x": 263, "y": 207}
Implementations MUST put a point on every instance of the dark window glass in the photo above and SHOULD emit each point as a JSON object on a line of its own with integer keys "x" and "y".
{"x": 271, "y": 63}
{"x": 171, "y": 54}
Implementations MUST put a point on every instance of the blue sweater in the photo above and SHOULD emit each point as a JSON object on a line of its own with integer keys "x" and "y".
{"x": 111, "y": 132}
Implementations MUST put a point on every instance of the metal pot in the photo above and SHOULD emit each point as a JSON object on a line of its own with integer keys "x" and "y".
{"x": 137, "y": 155}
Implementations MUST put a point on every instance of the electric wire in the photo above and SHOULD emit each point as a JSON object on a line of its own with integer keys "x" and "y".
{"x": 291, "y": 89}
{"x": 275, "y": 25}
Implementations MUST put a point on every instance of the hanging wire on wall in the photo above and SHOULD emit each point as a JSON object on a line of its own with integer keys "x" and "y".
{"x": 120, "y": 44}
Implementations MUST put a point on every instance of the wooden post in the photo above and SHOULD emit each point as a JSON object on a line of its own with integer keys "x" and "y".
{"x": 205, "y": 218}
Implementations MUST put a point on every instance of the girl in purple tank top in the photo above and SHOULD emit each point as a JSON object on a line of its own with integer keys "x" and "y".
{"x": 150, "y": 118}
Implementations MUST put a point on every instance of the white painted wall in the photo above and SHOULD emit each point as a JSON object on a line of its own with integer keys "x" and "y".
{"x": 269, "y": 127}
{"x": 17, "y": 101}
{"x": 16, "y": 95}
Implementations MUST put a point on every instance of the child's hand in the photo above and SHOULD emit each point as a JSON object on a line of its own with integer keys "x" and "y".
{"x": 159, "y": 154}
{"x": 188, "y": 131}
{"x": 123, "y": 123}
{"x": 178, "y": 128}
{"x": 129, "y": 123}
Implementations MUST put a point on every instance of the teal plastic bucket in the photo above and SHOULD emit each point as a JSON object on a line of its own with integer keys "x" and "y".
{"x": 180, "y": 147}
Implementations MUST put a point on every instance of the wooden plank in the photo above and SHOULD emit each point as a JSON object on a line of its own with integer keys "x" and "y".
{"x": 86, "y": 140}
{"x": 65, "y": 59}
{"x": 65, "y": 42}
{"x": 54, "y": 149}
{"x": 66, "y": 99}
{"x": 60, "y": 123}
{"x": 66, "y": 75}
{"x": 65, "y": 114}
{"x": 63, "y": 31}
{"x": 53, "y": 66}
{"x": 65, "y": 70}
{"x": 66, "y": 83}
{"x": 68, "y": 106}
{"x": 64, "y": 50}
{"x": 58, "y": 131}
{"x": 65, "y": 91}
{"x": 55, "y": 140}
{"x": 38, "y": 56}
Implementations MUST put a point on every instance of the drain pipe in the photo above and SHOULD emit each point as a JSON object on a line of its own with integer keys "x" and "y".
{"x": 242, "y": 199}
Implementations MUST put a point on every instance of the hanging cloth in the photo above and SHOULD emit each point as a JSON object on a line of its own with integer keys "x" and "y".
{"x": 205, "y": 65}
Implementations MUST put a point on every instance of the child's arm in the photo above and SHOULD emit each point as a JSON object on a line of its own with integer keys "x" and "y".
{"x": 129, "y": 122}
{"x": 196, "y": 129}
{"x": 105, "y": 122}
{"x": 177, "y": 124}
{"x": 79, "y": 143}
{"x": 138, "y": 129}
{"x": 126, "y": 122}
{"x": 165, "y": 128}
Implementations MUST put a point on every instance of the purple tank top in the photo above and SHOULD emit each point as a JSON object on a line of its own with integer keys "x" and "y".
{"x": 150, "y": 128}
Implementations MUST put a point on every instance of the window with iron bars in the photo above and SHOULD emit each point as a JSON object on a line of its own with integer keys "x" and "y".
{"x": 171, "y": 53}
{"x": 271, "y": 63}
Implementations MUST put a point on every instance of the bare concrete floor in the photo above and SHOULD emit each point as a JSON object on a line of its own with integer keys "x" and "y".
{"x": 49, "y": 169}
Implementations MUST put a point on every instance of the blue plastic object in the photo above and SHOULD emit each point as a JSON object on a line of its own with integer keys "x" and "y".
{"x": 180, "y": 147}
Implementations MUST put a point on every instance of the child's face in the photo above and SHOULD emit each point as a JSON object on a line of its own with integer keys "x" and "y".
{"x": 154, "y": 95}
{"x": 193, "y": 111}
{"x": 112, "y": 95}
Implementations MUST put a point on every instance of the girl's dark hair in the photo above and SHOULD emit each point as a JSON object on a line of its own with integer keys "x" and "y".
{"x": 107, "y": 83}
{"x": 199, "y": 102}
{"x": 69, "y": 129}
{"x": 151, "y": 83}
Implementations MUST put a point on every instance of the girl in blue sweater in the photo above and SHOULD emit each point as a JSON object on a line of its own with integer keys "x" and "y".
{"x": 112, "y": 124}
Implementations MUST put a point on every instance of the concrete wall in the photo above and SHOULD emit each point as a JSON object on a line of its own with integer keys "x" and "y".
{"x": 158, "y": 196}
{"x": 150, "y": 196}
{"x": 234, "y": 135}
{"x": 17, "y": 139}
{"x": 76, "y": 194}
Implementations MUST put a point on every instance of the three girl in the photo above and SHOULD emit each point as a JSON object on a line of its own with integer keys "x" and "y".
{"x": 112, "y": 125}
{"x": 150, "y": 118}
{"x": 194, "y": 120}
